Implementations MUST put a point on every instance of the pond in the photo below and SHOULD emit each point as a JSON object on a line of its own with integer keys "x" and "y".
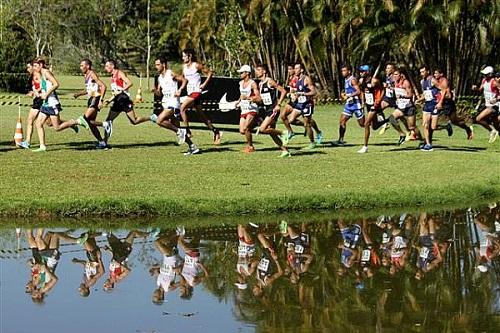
{"x": 415, "y": 271}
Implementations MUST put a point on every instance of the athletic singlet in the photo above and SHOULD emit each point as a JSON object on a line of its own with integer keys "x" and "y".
{"x": 169, "y": 87}
{"x": 490, "y": 91}
{"x": 301, "y": 87}
{"x": 430, "y": 91}
{"x": 389, "y": 90}
{"x": 115, "y": 269}
{"x": 91, "y": 87}
{"x": 352, "y": 102}
{"x": 117, "y": 84}
{"x": 485, "y": 248}
{"x": 246, "y": 105}
{"x": 245, "y": 250}
{"x": 193, "y": 77}
{"x": 167, "y": 273}
{"x": 35, "y": 85}
{"x": 190, "y": 269}
{"x": 243, "y": 266}
{"x": 402, "y": 101}
{"x": 426, "y": 255}
{"x": 90, "y": 269}
{"x": 267, "y": 94}
{"x": 52, "y": 100}
{"x": 264, "y": 268}
{"x": 372, "y": 93}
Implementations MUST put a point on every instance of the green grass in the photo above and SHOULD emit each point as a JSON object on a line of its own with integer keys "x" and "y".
{"x": 146, "y": 174}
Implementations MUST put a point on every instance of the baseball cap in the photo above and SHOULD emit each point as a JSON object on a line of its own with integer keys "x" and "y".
{"x": 245, "y": 68}
{"x": 487, "y": 70}
{"x": 364, "y": 68}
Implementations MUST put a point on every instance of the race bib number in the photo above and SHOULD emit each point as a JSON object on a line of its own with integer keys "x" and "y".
{"x": 302, "y": 99}
{"x": 369, "y": 99}
{"x": 402, "y": 103}
{"x": 242, "y": 251}
{"x": 488, "y": 96}
{"x": 365, "y": 255}
{"x": 266, "y": 99}
{"x": 115, "y": 88}
{"x": 263, "y": 264}
{"x": 389, "y": 93}
{"x": 166, "y": 269}
{"x": 90, "y": 270}
{"x": 428, "y": 95}
{"x": 385, "y": 238}
{"x": 193, "y": 87}
{"x": 424, "y": 253}
{"x": 245, "y": 105}
{"x": 399, "y": 242}
{"x": 299, "y": 249}
{"x": 168, "y": 94}
{"x": 189, "y": 262}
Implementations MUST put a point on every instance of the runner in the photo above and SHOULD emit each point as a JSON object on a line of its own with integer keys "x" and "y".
{"x": 51, "y": 107}
{"x": 120, "y": 83}
{"x": 191, "y": 71}
{"x": 245, "y": 265}
{"x": 95, "y": 90}
{"x": 429, "y": 112}
{"x": 489, "y": 108}
{"x": 93, "y": 267}
{"x": 34, "y": 91}
{"x": 170, "y": 90}
{"x": 270, "y": 107}
{"x": 373, "y": 93}
{"x": 268, "y": 268}
{"x": 349, "y": 251}
{"x": 298, "y": 252}
{"x": 167, "y": 272}
{"x": 389, "y": 100}
{"x": 249, "y": 97}
{"x": 193, "y": 272}
{"x": 352, "y": 95}
{"x": 303, "y": 106}
{"x": 446, "y": 104}
{"x": 405, "y": 107}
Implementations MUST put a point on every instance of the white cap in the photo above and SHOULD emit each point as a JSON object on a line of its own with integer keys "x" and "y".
{"x": 482, "y": 268}
{"x": 247, "y": 68}
{"x": 241, "y": 286}
{"x": 487, "y": 70}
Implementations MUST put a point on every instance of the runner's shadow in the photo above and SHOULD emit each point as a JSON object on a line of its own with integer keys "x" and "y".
{"x": 462, "y": 148}
{"x": 145, "y": 144}
{"x": 215, "y": 150}
{"x": 307, "y": 152}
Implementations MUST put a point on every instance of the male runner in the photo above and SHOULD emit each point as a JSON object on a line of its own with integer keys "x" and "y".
{"x": 191, "y": 71}
{"x": 249, "y": 98}
{"x": 352, "y": 92}
{"x": 429, "y": 112}
{"x": 95, "y": 90}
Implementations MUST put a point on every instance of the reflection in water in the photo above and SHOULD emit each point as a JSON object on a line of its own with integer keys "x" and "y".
{"x": 439, "y": 271}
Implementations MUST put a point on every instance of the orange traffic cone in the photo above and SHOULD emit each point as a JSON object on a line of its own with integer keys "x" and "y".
{"x": 18, "y": 136}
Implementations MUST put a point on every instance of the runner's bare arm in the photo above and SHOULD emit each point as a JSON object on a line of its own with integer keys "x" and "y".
{"x": 102, "y": 86}
{"x": 281, "y": 89}
{"x": 256, "y": 94}
{"x": 205, "y": 71}
{"x": 182, "y": 80}
{"x": 355, "y": 85}
{"x": 126, "y": 80}
{"x": 55, "y": 84}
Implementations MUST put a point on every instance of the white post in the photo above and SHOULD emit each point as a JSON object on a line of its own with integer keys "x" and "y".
{"x": 148, "y": 58}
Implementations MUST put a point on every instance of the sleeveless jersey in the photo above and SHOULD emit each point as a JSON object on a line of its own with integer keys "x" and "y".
{"x": 245, "y": 104}
{"x": 301, "y": 87}
{"x": 117, "y": 84}
{"x": 91, "y": 87}
{"x": 372, "y": 93}
{"x": 402, "y": 101}
{"x": 169, "y": 87}
{"x": 193, "y": 77}
{"x": 352, "y": 103}
{"x": 430, "y": 91}
{"x": 167, "y": 273}
{"x": 490, "y": 91}
{"x": 190, "y": 269}
{"x": 267, "y": 94}
{"x": 52, "y": 100}
{"x": 389, "y": 90}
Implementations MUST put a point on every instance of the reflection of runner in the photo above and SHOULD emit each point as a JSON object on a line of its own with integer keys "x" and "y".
{"x": 429, "y": 255}
{"x": 193, "y": 271}
{"x": 34, "y": 91}
{"x": 46, "y": 255}
{"x": 349, "y": 252}
{"x": 369, "y": 260}
{"x": 120, "y": 250}
{"x": 268, "y": 268}
{"x": 93, "y": 267}
{"x": 298, "y": 252}
{"x": 488, "y": 246}
{"x": 167, "y": 272}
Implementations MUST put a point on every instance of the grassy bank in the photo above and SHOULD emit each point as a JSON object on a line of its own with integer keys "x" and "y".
{"x": 146, "y": 174}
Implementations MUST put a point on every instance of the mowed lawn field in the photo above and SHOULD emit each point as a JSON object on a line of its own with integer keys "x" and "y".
{"x": 145, "y": 172}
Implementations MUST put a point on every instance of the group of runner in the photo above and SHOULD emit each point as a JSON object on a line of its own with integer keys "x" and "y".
{"x": 261, "y": 104}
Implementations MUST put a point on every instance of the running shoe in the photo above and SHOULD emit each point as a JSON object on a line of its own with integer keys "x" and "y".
{"x": 285, "y": 138}
{"x": 363, "y": 150}
{"x": 493, "y": 136}
{"x": 153, "y": 232}
{"x": 319, "y": 137}
{"x": 217, "y": 137}
{"x": 192, "y": 150}
{"x": 426, "y": 147}
{"x": 40, "y": 150}
{"x": 181, "y": 136}
{"x": 180, "y": 230}
{"x": 102, "y": 145}
{"x": 82, "y": 122}
{"x": 402, "y": 139}
{"x": 153, "y": 118}
{"x": 24, "y": 145}
{"x": 311, "y": 145}
{"x": 249, "y": 149}
{"x": 338, "y": 143}
{"x": 470, "y": 133}
{"x": 383, "y": 129}
{"x": 75, "y": 128}
{"x": 283, "y": 226}
{"x": 285, "y": 154}
{"x": 83, "y": 238}
{"x": 449, "y": 129}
